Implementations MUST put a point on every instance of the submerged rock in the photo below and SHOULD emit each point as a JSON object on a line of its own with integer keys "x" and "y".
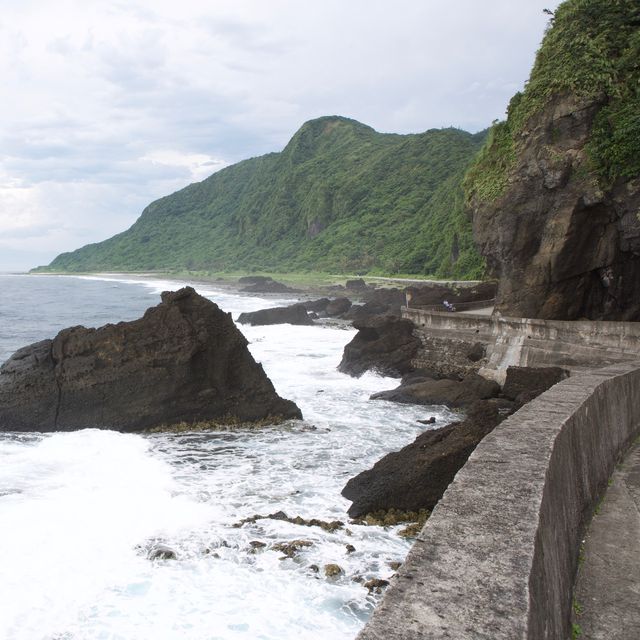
{"x": 183, "y": 361}
{"x": 293, "y": 314}
{"x": 333, "y": 570}
{"x": 292, "y": 548}
{"x": 162, "y": 552}
{"x": 415, "y": 477}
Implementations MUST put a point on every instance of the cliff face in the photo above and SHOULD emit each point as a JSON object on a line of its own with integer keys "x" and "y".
{"x": 555, "y": 195}
{"x": 561, "y": 245}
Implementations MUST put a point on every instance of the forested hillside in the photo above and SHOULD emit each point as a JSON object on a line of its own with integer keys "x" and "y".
{"x": 340, "y": 197}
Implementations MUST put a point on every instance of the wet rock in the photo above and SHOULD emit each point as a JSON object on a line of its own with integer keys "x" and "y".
{"x": 318, "y": 306}
{"x": 450, "y": 393}
{"x": 395, "y": 565}
{"x": 337, "y": 307}
{"x": 350, "y": 548}
{"x": 411, "y": 531}
{"x": 392, "y": 517}
{"x": 477, "y": 352}
{"x": 294, "y": 314}
{"x": 391, "y": 297}
{"x": 415, "y": 477}
{"x": 161, "y": 552}
{"x": 376, "y": 585}
{"x": 333, "y": 570}
{"x": 357, "y": 284}
{"x": 368, "y": 309}
{"x": 292, "y": 548}
{"x": 431, "y": 420}
{"x": 384, "y": 344}
{"x": 329, "y": 526}
{"x": 265, "y": 284}
{"x": 184, "y": 361}
{"x": 315, "y": 568}
{"x": 257, "y": 545}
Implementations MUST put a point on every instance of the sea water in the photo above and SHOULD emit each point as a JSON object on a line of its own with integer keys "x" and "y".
{"x": 80, "y": 511}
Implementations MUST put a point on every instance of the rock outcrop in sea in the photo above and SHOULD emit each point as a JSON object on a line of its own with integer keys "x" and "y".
{"x": 416, "y": 476}
{"x": 184, "y": 361}
{"x": 293, "y": 314}
{"x": 384, "y": 344}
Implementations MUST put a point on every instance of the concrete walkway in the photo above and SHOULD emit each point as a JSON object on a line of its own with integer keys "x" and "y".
{"x": 607, "y": 591}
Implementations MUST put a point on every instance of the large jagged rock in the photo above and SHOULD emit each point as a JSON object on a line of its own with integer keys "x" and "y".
{"x": 384, "y": 344}
{"x": 183, "y": 361}
{"x": 415, "y": 477}
{"x": 293, "y": 314}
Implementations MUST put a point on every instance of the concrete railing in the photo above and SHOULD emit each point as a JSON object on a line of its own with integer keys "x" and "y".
{"x": 497, "y": 558}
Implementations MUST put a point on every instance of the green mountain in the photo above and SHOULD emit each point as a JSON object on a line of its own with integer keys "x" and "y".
{"x": 340, "y": 197}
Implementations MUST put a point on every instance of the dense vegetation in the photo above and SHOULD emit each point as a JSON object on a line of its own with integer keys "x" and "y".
{"x": 592, "y": 50}
{"x": 339, "y": 198}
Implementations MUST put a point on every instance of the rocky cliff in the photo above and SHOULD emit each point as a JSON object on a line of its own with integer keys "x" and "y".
{"x": 555, "y": 194}
{"x": 184, "y": 361}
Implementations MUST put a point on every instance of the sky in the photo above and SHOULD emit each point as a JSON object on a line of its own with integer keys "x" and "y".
{"x": 108, "y": 105}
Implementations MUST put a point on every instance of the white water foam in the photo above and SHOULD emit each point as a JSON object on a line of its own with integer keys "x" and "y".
{"x": 79, "y": 511}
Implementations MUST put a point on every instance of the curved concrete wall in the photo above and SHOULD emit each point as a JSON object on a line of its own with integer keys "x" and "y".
{"x": 498, "y": 556}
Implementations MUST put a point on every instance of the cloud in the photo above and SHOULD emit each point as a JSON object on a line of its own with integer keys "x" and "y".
{"x": 111, "y": 104}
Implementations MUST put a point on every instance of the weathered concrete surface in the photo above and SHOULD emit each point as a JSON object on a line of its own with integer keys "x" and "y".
{"x": 526, "y": 342}
{"x": 497, "y": 558}
{"x": 608, "y": 584}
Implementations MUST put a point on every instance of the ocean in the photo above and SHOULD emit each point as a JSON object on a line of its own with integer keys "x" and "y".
{"x": 79, "y": 511}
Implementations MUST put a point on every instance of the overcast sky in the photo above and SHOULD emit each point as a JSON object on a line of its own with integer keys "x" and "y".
{"x": 110, "y": 104}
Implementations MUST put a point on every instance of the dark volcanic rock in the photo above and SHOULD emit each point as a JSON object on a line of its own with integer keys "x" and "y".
{"x": 368, "y": 309}
{"x": 294, "y": 314}
{"x": 254, "y": 279}
{"x": 415, "y": 477}
{"x": 357, "y": 284}
{"x": 337, "y": 307}
{"x": 526, "y": 383}
{"x": 451, "y": 393}
{"x": 385, "y": 344}
{"x": 265, "y": 284}
{"x": 390, "y": 297}
{"x": 183, "y": 361}
{"x": 318, "y": 306}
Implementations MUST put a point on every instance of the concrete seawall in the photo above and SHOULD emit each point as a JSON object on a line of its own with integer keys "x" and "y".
{"x": 497, "y": 558}
{"x": 577, "y": 346}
